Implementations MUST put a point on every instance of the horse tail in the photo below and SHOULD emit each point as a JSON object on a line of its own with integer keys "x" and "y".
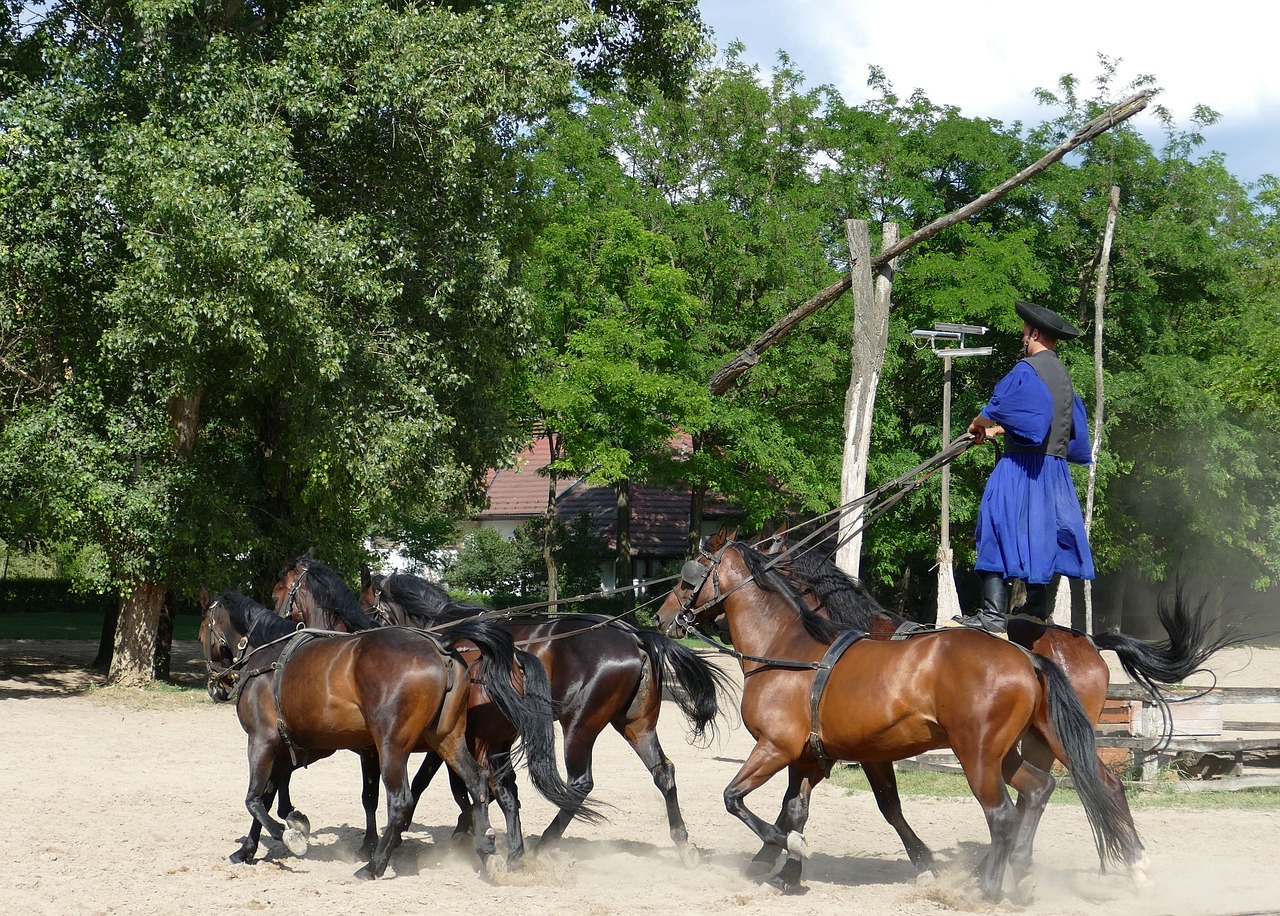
{"x": 701, "y": 685}
{"x": 1188, "y": 647}
{"x": 530, "y": 712}
{"x": 1114, "y": 833}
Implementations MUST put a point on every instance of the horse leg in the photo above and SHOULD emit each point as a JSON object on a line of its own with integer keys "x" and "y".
{"x": 986, "y": 781}
{"x": 395, "y": 778}
{"x": 503, "y": 779}
{"x": 370, "y": 776}
{"x": 579, "y": 742}
{"x": 263, "y": 764}
{"x": 453, "y": 750}
{"x": 761, "y": 765}
{"x": 792, "y": 818}
{"x": 643, "y": 738}
{"x": 466, "y": 819}
{"x": 884, "y": 785}
{"x": 1034, "y": 785}
{"x": 764, "y": 861}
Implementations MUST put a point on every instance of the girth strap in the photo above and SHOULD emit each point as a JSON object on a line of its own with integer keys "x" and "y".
{"x": 833, "y": 653}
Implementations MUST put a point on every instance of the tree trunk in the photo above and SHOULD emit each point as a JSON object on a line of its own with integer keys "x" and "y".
{"x": 1099, "y": 401}
{"x": 549, "y": 519}
{"x": 870, "y": 339}
{"x": 624, "y": 576}
{"x": 163, "y": 667}
{"x": 107, "y": 638}
{"x": 697, "y": 507}
{"x": 133, "y": 662}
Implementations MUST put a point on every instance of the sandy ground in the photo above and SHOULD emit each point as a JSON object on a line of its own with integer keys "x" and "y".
{"x": 130, "y": 802}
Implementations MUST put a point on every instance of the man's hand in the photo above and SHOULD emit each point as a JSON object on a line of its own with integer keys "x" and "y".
{"x": 982, "y": 429}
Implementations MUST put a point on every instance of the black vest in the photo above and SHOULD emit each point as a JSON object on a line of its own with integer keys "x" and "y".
{"x": 1055, "y": 377}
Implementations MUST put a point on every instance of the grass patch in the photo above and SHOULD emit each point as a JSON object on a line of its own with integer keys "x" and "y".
{"x": 75, "y": 625}
{"x": 1163, "y": 794}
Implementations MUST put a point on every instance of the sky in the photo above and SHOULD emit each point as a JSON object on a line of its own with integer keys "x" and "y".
{"x": 988, "y": 58}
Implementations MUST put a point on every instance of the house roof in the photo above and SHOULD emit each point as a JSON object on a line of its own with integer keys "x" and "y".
{"x": 520, "y": 491}
{"x": 659, "y": 515}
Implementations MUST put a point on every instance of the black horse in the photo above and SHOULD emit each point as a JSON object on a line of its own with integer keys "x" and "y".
{"x": 602, "y": 672}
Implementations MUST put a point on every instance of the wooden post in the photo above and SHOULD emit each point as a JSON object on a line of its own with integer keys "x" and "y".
{"x": 870, "y": 337}
{"x": 948, "y": 599}
{"x": 1099, "y": 299}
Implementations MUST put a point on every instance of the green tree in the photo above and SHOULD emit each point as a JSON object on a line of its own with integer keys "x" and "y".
{"x": 257, "y": 269}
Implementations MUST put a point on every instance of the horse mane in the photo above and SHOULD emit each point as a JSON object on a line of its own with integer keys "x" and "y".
{"x": 424, "y": 601}
{"x": 771, "y": 580}
{"x": 845, "y": 598}
{"x": 331, "y": 592}
{"x": 257, "y": 622}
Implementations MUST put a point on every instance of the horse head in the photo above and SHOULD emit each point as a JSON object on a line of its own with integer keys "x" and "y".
{"x": 223, "y": 645}
{"x": 315, "y": 595}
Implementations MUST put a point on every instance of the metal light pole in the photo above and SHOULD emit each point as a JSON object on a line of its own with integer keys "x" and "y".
{"x": 947, "y": 341}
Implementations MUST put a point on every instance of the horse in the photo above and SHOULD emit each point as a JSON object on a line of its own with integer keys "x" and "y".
{"x": 832, "y": 593}
{"x": 602, "y": 672}
{"x": 393, "y": 692}
{"x": 815, "y": 692}
{"x": 316, "y": 595}
{"x": 233, "y": 625}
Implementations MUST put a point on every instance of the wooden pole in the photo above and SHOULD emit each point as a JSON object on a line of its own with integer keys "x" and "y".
{"x": 948, "y": 598}
{"x": 870, "y": 339}
{"x": 729, "y": 372}
{"x": 1099, "y": 300}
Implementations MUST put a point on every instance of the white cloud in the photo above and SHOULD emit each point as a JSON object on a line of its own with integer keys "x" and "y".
{"x": 988, "y": 58}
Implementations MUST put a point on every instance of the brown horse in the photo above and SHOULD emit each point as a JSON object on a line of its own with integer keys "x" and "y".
{"x": 316, "y": 595}
{"x": 394, "y": 692}
{"x": 815, "y": 692}
{"x": 832, "y": 593}
{"x": 602, "y": 672}
{"x": 231, "y": 627}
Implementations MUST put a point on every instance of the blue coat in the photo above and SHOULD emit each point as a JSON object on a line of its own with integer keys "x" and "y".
{"x": 1029, "y": 523}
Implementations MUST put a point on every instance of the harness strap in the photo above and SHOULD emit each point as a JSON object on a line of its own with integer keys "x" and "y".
{"x": 834, "y": 651}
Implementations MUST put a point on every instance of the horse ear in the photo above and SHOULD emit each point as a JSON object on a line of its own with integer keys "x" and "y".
{"x": 366, "y": 576}
{"x": 781, "y": 533}
{"x": 311, "y": 552}
{"x": 718, "y": 539}
{"x": 204, "y": 597}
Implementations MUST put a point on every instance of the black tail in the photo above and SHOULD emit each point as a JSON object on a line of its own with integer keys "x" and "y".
{"x": 530, "y": 714}
{"x": 1114, "y": 833}
{"x": 701, "y": 684}
{"x": 1172, "y": 661}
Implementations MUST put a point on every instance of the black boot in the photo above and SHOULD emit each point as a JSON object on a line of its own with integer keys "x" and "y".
{"x": 995, "y": 601}
{"x": 1037, "y": 603}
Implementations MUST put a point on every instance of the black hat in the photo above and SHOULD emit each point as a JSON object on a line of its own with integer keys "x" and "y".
{"x": 1047, "y": 320}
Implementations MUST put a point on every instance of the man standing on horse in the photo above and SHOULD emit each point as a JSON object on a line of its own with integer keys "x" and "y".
{"x": 1030, "y": 526}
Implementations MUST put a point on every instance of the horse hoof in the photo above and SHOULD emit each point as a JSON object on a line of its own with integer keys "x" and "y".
{"x": 299, "y": 822}
{"x": 690, "y": 857}
{"x": 787, "y": 888}
{"x": 796, "y": 845}
{"x": 295, "y": 841}
{"x": 1024, "y": 891}
{"x": 494, "y": 866}
{"x": 366, "y": 873}
{"x": 240, "y": 857}
{"x": 926, "y": 878}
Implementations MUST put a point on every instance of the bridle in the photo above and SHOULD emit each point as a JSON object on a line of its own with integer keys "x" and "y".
{"x": 378, "y": 610}
{"x": 695, "y": 575}
{"x": 286, "y": 606}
